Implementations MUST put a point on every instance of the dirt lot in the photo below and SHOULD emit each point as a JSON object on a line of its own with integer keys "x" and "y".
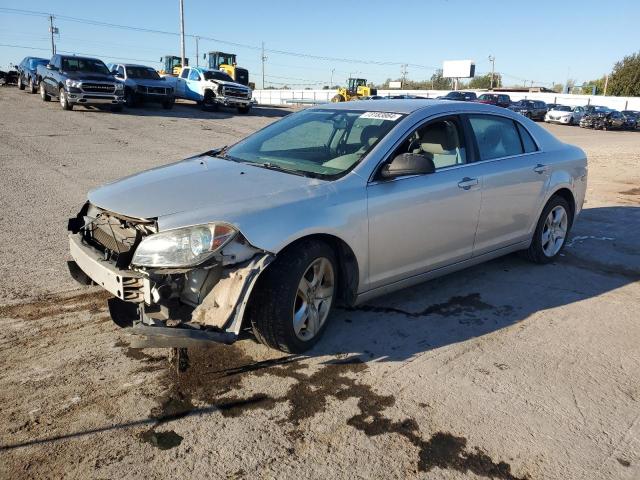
{"x": 506, "y": 370}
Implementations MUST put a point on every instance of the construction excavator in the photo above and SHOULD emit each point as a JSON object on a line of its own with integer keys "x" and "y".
{"x": 172, "y": 65}
{"x": 227, "y": 63}
{"x": 356, "y": 88}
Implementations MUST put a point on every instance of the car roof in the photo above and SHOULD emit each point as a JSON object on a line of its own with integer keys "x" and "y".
{"x": 126, "y": 65}
{"x": 407, "y": 106}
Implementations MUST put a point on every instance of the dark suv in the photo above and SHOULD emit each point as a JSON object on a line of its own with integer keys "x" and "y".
{"x": 459, "y": 96}
{"x": 533, "y": 109}
{"x": 79, "y": 81}
{"x": 143, "y": 84}
{"x": 27, "y": 76}
{"x": 498, "y": 99}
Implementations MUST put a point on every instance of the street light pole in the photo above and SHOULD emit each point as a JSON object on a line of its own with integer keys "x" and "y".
{"x": 263, "y": 58}
{"x": 331, "y": 82}
{"x": 182, "y": 34}
{"x": 492, "y": 59}
{"x": 197, "y": 52}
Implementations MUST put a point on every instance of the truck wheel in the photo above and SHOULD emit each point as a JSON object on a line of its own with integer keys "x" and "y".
{"x": 209, "y": 102}
{"x": 338, "y": 98}
{"x": 130, "y": 98}
{"x": 64, "y": 101}
{"x": 244, "y": 110}
{"x": 33, "y": 88}
{"x": 43, "y": 93}
{"x": 116, "y": 108}
{"x": 291, "y": 303}
{"x": 20, "y": 84}
{"x": 168, "y": 105}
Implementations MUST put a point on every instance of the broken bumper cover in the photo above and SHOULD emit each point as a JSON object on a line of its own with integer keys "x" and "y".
{"x": 218, "y": 317}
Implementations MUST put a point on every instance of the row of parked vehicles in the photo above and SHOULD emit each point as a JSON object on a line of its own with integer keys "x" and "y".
{"x": 75, "y": 80}
{"x": 590, "y": 116}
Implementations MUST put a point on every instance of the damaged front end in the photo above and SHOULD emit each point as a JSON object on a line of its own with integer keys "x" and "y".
{"x": 172, "y": 288}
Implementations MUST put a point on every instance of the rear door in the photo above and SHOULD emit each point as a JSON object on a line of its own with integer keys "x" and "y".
{"x": 514, "y": 181}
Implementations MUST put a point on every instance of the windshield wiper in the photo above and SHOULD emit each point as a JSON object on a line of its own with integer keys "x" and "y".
{"x": 274, "y": 166}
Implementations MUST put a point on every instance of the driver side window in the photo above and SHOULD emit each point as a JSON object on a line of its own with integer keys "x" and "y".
{"x": 441, "y": 140}
{"x": 185, "y": 73}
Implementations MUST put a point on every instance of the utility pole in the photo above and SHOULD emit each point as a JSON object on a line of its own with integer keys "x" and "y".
{"x": 492, "y": 59}
{"x": 606, "y": 84}
{"x": 53, "y": 30}
{"x": 182, "y": 33}
{"x": 403, "y": 71}
{"x": 263, "y": 58}
{"x": 197, "y": 52}
{"x": 331, "y": 82}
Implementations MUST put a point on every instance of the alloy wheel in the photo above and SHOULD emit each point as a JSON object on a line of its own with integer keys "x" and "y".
{"x": 314, "y": 297}
{"x": 554, "y": 231}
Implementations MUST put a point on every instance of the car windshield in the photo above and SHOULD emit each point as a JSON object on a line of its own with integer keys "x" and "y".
{"x": 88, "y": 65}
{"x": 322, "y": 143}
{"x": 488, "y": 97}
{"x": 523, "y": 103}
{"x": 146, "y": 73}
{"x": 215, "y": 75}
{"x": 562, "y": 108}
{"x": 34, "y": 62}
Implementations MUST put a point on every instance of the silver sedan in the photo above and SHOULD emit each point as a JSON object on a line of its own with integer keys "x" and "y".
{"x": 334, "y": 204}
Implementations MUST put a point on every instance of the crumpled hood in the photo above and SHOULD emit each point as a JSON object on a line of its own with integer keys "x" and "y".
{"x": 232, "y": 84}
{"x": 203, "y": 182}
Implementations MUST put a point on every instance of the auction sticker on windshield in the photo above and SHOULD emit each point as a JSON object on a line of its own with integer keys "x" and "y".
{"x": 381, "y": 115}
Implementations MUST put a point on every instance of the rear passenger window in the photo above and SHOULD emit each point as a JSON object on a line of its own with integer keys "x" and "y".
{"x": 527, "y": 142}
{"x": 496, "y": 136}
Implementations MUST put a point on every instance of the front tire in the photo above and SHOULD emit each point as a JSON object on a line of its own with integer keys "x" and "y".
{"x": 130, "y": 99}
{"x": 209, "y": 102}
{"x": 20, "y": 84}
{"x": 244, "y": 110}
{"x": 33, "y": 88}
{"x": 290, "y": 307}
{"x": 43, "y": 93}
{"x": 64, "y": 101}
{"x": 338, "y": 98}
{"x": 551, "y": 231}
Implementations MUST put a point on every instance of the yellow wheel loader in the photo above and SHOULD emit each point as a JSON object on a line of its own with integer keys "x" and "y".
{"x": 356, "y": 88}
{"x": 172, "y": 65}
{"x": 227, "y": 63}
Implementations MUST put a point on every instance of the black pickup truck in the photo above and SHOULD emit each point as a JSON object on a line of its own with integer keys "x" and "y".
{"x": 79, "y": 81}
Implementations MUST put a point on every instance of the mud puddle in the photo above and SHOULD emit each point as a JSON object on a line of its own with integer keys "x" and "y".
{"x": 51, "y": 305}
{"x": 215, "y": 379}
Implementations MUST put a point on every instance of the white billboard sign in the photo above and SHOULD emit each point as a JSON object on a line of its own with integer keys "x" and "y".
{"x": 458, "y": 69}
{"x": 395, "y": 84}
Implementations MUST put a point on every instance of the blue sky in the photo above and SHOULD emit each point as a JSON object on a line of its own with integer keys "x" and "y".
{"x": 544, "y": 41}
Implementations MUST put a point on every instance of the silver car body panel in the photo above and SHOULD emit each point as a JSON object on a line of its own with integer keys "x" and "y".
{"x": 401, "y": 231}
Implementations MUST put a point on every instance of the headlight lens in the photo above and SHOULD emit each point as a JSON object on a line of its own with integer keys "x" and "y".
{"x": 183, "y": 247}
{"x": 73, "y": 83}
{"x": 119, "y": 87}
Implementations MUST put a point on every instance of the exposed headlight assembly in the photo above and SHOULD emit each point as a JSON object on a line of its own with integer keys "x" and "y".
{"x": 119, "y": 87}
{"x": 183, "y": 247}
{"x": 72, "y": 83}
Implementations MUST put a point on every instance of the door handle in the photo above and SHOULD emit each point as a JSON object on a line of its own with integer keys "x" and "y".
{"x": 540, "y": 168}
{"x": 466, "y": 183}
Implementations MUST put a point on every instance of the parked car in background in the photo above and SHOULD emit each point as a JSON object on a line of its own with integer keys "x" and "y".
{"x": 211, "y": 89}
{"x": 274, "y": 231}
{"x": 143, "y": 84}
{"x": 79, "y": 81}
{"x": 459, "y": 96}
{"x": 27, "y": 74}
{"x": 553, "y": 106}
{"x": 602, "y": 118}
{"x": 497, "y": 99}
{"x": 632, "y": 119}
{"x": 9, "y": 77}
{"x": 404, "y": 96}
{"x": 564, "y": 114}
{"x": 533, "y": 109}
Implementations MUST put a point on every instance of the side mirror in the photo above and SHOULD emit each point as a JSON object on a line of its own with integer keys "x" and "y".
{"x": 408, "y": 164}
{"x": 51, "y": 67}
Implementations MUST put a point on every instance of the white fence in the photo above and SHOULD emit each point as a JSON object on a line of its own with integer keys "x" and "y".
{"x": 301, "y": 97}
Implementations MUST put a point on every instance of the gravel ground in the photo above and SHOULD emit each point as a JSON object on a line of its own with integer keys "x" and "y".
{"x": 505, "y": 370}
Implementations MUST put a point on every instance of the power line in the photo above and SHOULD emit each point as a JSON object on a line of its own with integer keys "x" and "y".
{"x": 78, "y": 53}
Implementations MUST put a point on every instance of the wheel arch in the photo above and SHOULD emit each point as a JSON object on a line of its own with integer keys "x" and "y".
{"x": 348, "y": 268}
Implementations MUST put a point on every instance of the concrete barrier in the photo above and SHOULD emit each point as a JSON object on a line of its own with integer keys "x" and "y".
{"x": 307, "y": 97}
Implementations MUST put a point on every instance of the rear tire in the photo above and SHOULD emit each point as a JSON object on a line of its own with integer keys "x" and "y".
{"x": 43, "y": 93}
{"x": 551, "y": 231}
{"x": 291, "y": 304}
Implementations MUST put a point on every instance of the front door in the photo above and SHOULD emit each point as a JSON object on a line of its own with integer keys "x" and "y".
{"x": 420, "y": 223}
{"x": 181, "y": 83}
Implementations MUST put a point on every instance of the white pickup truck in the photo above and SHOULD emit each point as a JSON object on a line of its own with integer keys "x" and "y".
{"x": 211, "y": 89}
